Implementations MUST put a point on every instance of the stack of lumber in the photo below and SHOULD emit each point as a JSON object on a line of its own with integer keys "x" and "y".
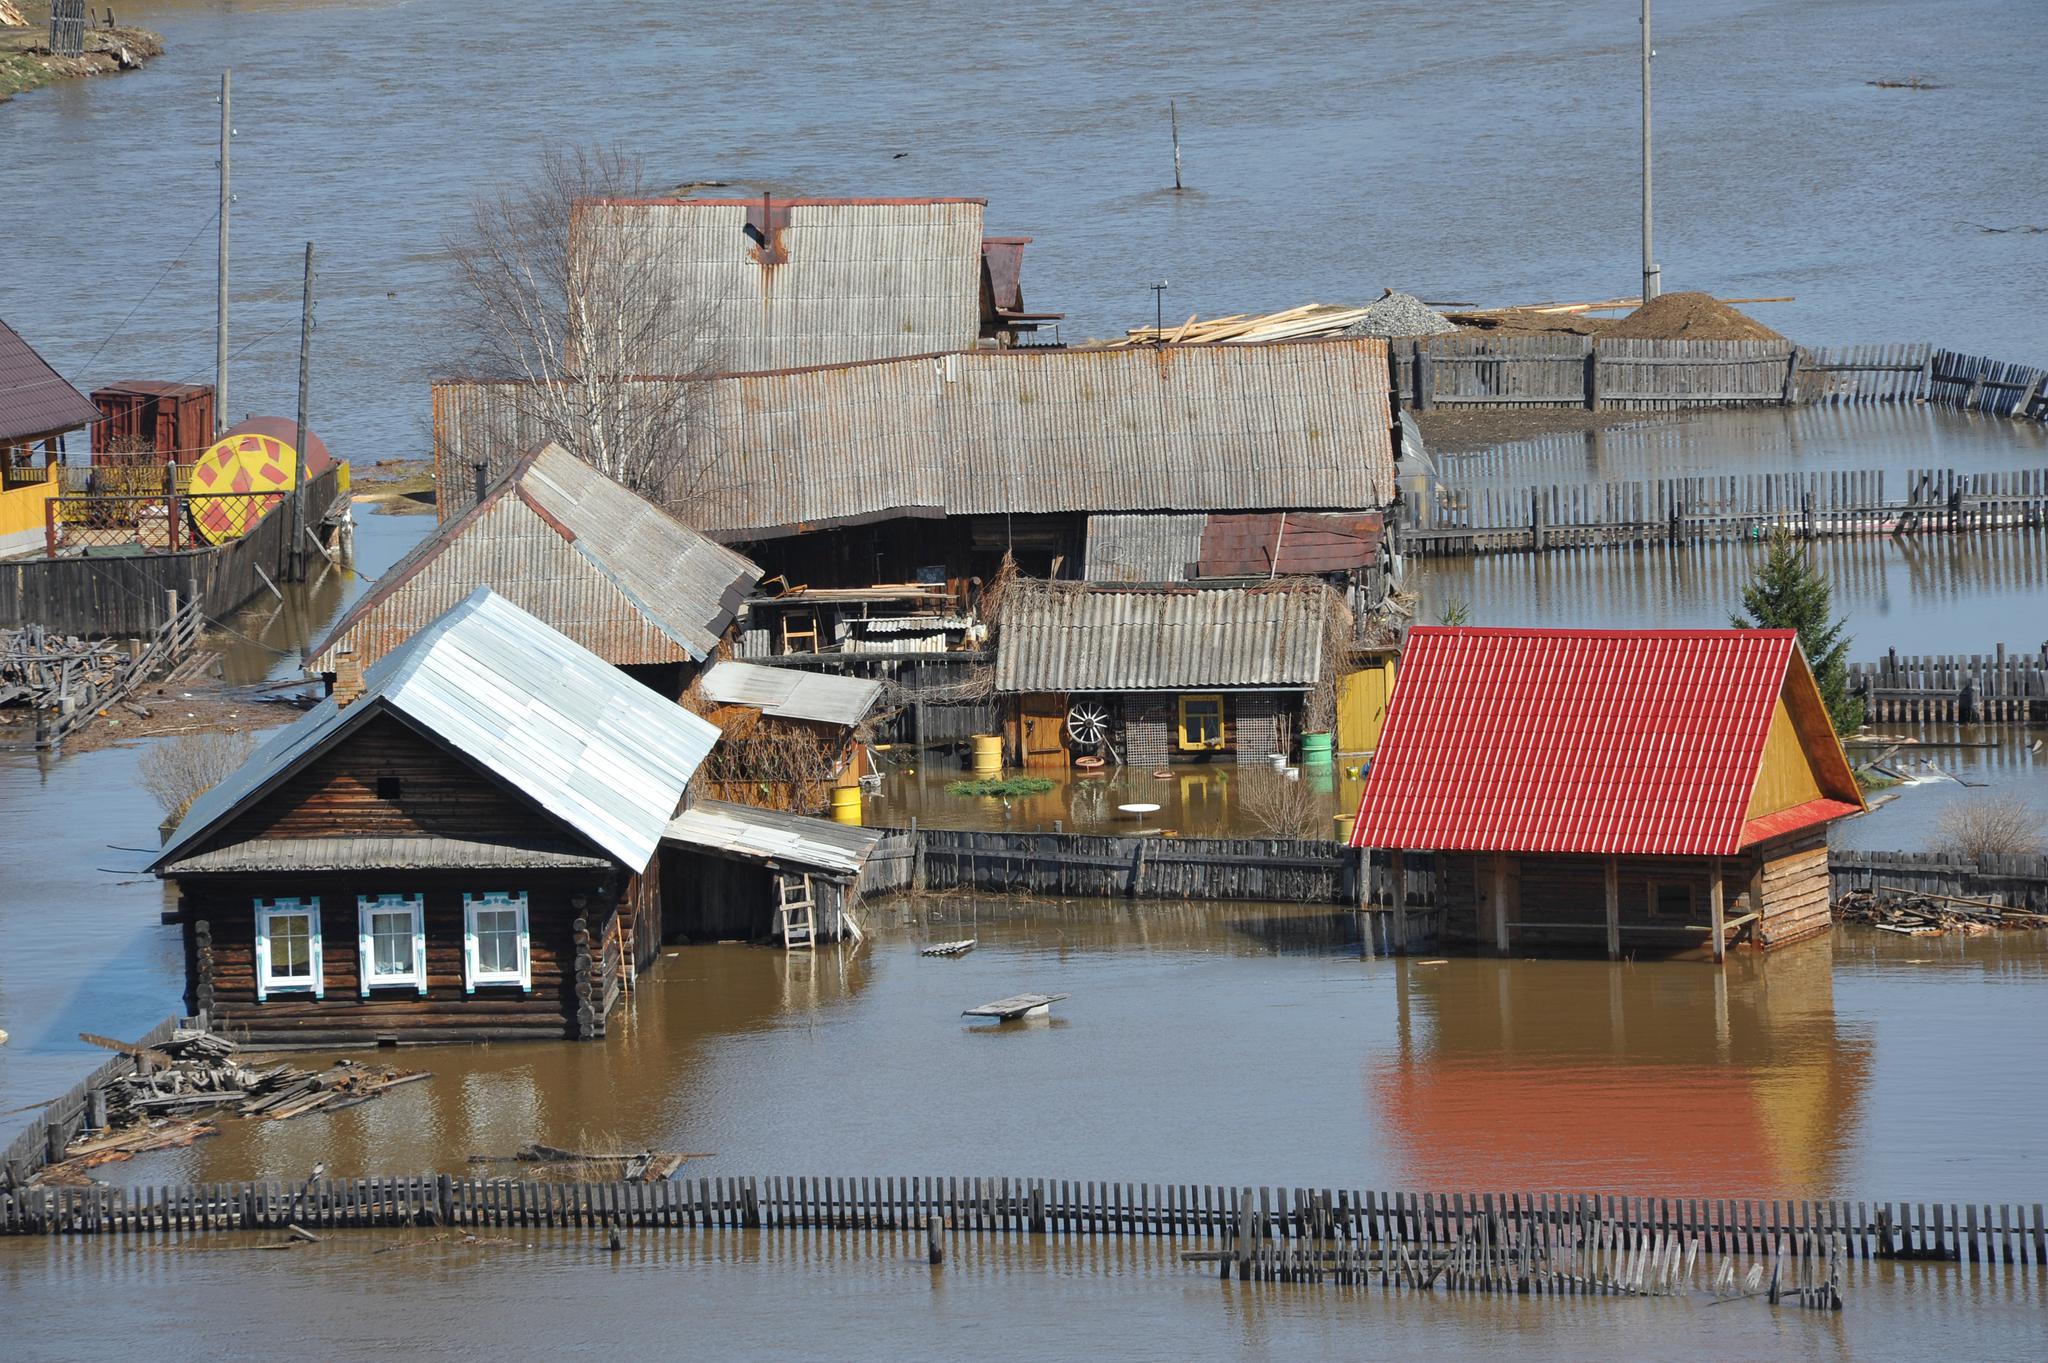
{"x": 1310, "y": 319}
{"x": 1926, "y": 914}
{"x": 287, "y": 1091}
{"x": 37, "y": 667}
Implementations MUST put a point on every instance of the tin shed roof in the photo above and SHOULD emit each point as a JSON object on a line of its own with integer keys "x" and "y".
{"x": 788, "y": 693}
{"x": 1244, "y": 544}
{"x": 1295, "y": 424}
{"x": 1144, "y": 547}
{"x": 775, "y": 836}
{"x": 1587, "y": 741}
{"x": 605, "y": 755}
{"x": 35, "y": 399}
{"x": 819, "y": 281}
{"x": 1061, "y": 637}
{"x": 592, "y": 558}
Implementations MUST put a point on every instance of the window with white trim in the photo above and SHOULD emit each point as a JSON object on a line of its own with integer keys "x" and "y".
{"x": 288, "y": 948}
{"x": 391, "y": 942}
{"x": 495, "y": 940}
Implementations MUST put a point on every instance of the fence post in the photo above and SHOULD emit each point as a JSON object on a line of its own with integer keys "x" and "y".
{"x": 50, "y": 527}
{"x": 1792, "y": 376}
{"x": 1593, "y": 376}
{"x": 1536, "y": 519}
{"x": 1425, "y": 380}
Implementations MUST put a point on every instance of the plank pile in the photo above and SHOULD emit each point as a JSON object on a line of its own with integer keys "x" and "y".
{"x": 1929, "y": 914}
{"x": 1310, "y": 319}
{"x": 38, "y": 667}
{"x": 287, "y": 1091}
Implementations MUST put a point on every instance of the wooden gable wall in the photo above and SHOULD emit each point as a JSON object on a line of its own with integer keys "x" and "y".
{"x": 1802, "y": 758}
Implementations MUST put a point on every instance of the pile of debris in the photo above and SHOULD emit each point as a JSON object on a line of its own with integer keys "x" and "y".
{"x": 37, "y": 667}
{"x": 630, "y": 1166}
{"x": 1395, "y": 314}
{"x": 1930, "y": 915}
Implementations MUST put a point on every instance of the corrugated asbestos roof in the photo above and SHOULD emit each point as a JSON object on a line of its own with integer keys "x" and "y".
{"x": 771, "y": 835}
{"x": 35, "y": 399}
{"x": 607, "y": 756}
{"x": 1144, "y": 548}
{"x": 589, "y": 557}
{"x": 1294, "y": 424}
{"x": 1066, "y": 638}
{"x": 1244, "y": 544}
{"x": 789, "y": 694}
{"x": 837, "y": 281}
{"x": 1591, "y": 741}
{"x": 386, "y": 854}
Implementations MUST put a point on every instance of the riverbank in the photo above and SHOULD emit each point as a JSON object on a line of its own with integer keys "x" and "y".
{"x": 26, "y": 63}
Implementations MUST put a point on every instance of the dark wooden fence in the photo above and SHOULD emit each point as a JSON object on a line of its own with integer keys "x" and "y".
{"x": 1961, "y": 688}
{"x": 2011, "y": 1233}
{"x": 43, "y": 1140}
{"x": 130, "y": 595}
{"x": 1486, "y": 520}
{"x": 2019, "y": 882}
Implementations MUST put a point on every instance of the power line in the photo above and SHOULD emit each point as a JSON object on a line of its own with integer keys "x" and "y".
{"x": 123, "y": 323}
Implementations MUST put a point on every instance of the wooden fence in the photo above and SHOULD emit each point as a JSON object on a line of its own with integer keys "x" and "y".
{"x": 1598, "y": 374}
{"x": 2011, "y": 1233}
{"x": 2019, "y": 882}
{"x": 1728, "y": 507}
{"x": 2001, "y": 687}
{"x": 43, "y": 1140}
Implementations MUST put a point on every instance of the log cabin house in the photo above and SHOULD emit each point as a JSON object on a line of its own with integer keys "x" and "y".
{"x": 1150, "y": 675}
{"x": 791, "y": 739}
{"x": 461, "y": 845}
{"x": 587, "y": 556}
{"x": 1652, "y": 790}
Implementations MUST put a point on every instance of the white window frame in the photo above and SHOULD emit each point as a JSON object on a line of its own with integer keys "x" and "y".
{"x": 473, "y": 977}
{"x": 266, "y": 983}
{"x": 366, "y": 949}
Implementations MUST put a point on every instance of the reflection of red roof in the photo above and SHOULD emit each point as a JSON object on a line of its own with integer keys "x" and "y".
{"x": 1242, "y": 544}
{"x": 1590, "y": 741}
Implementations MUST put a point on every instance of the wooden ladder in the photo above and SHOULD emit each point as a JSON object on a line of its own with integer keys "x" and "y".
{"x": 799, "y": 925}
{"x": 800, "y": 627}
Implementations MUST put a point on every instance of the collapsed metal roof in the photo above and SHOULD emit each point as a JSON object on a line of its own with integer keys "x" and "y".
{"x": 788, "y": 693}
{"x": 1296, "y": 425}
{"x": 1058, "y": 637}
{"x": 605, "y": 755}
{"x": 773, "y": 836}
{"x": 36, "y": 400}
{"x": 588, "y": 556}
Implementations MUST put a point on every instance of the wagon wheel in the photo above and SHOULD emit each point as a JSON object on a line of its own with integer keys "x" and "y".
{"x": 1088, "y": 724}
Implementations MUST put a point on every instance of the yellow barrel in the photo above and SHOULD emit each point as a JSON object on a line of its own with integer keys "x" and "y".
{"x": 846, "y": 805}
{"x": 1345, "y": 823}
{"x": 988, "y": 754}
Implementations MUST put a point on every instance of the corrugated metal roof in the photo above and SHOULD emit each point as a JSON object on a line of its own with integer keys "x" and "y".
{"x": 1072, "y": 638}
{"x": 790, "y": 694}
{"x": 386, "y": 854}
{"x": 1144, "y": 548}
{"x": 605, "y": 755}
{"x": 589, "y": 557}
{"x": 35, "y": 399}
{"x": 1245, "y": 544}
{"x": 837, "y": 281}
{"x": 1295, "y": 424}
{"x": 1590, "y": 741}
{"x": 771, "y": 835}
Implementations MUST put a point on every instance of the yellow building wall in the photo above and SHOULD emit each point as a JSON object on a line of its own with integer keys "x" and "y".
{"x": 21, "y": 508}
{"x": 1785, "y": 778}
{"x": 1362, "y": 698}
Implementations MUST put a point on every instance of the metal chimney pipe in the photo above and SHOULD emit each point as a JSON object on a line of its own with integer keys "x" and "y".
{"x": 481, "y": 481}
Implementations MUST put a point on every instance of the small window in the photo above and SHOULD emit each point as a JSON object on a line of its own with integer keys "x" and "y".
{"x": 391, "y": 939}
{"x": 496, "y": 941}
{"x": 288, "y": 948}
{"x": 388, "y": 787}
{"x": 1671, "y": 900}
{"x": 1201, "y": 723}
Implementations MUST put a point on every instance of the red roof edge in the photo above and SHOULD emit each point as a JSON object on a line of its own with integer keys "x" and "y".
{"x": 1812, "y": 814}
{"x": 788, "y": 201}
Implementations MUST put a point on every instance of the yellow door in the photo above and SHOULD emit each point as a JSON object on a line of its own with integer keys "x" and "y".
{"x": 1362, "y": 698}
{"x": 1045, "y": 742}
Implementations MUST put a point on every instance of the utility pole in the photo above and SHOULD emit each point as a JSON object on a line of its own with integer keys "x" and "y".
{"x": 1159, "y": 313}
{"x": 220, "y": 302}
{"x": 297, "y": 558}
{"x": 1173, "y": 114}
{"x": 1653, "y": 281}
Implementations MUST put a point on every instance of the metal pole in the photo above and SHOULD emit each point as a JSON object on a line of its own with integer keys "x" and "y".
{"x": 220, "y": 326}
{"x": 297, "y": 559}
{"x": 1652, "y": 273}
{"x": 1173, "y": 113}
{"x": 1159, "y": 313}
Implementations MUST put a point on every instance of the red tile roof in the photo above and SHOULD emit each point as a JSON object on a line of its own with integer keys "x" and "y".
{"x": 1588, "y": 741}
{"x": 34, "y": 398}
{"x": 1241, "y": 544}
{"x": 1791, "y": 820}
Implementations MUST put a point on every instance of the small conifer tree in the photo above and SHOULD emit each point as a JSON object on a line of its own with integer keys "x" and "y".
{"x": 1788, "y": 592}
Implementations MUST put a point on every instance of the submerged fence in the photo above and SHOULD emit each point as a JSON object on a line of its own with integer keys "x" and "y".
{"x": 1086, "y": 865}
{"x": 1599, "y": 374}
{"x": 43, "y": 1140}
{"x": 1727, "y": 507}
{"x": 2019, "y": 882}
{"x": 1961, "y": 688}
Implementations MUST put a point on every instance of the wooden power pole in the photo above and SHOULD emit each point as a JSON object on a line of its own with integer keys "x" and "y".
{"x": 1653, "y": 280}
{"x": 297, "y": 557}
{"x": 220, "y": 325}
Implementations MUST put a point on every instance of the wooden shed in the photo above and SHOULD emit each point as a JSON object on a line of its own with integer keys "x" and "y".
{"x": 461, "y": 846}
{"x": 790, "y": 737}
{"x": 1652, "y": 790}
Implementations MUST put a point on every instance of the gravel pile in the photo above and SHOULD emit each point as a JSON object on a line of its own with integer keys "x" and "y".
{"x": 1400, "y": 314}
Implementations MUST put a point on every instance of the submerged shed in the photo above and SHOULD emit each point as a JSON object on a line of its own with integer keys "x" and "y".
{"x": 588, "y": 556}
{"x": 733, "y": 867}
{"x": 461, "y": 846}
{"x": 1668, "y": 786}
{"x": 791, "y": 738}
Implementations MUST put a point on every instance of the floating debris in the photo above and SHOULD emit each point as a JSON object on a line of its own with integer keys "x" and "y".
{"x": 1930, "y": 915}
{"x": 959, "y": 948}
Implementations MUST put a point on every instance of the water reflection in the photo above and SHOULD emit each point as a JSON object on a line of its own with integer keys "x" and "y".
{"x": 1664, "y": 1078}
{"x": 1206, "y": 801}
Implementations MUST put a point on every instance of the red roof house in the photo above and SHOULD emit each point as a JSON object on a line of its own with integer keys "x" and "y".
{"x": 1566, "y": 777}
